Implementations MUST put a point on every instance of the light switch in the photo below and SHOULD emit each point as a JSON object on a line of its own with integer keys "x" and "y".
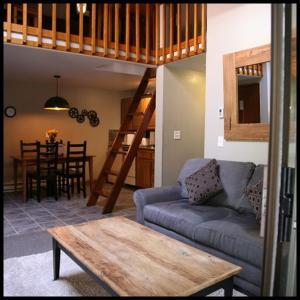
{"x": 221, "y": 112}
{"x": 220, "y": 141}
{"x": 177, "y": 135}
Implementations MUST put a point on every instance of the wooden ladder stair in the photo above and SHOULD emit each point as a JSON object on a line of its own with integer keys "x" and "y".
{"x": 112, "y": 196}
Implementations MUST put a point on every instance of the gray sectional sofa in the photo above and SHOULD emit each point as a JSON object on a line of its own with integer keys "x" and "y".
{"x": 224, "y": 226}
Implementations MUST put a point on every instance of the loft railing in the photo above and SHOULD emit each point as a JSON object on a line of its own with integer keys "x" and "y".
{"x": 150, "y": 33}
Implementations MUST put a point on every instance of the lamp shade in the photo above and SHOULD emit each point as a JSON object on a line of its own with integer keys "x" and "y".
{"x": 56, "y": 103}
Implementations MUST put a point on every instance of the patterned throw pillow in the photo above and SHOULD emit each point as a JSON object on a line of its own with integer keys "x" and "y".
{"x": 254, "y": 193}
{"x": 204, "y": 183}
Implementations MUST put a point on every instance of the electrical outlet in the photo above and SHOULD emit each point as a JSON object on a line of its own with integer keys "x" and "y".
{"x": 177, "y": 135}
{"x": 220, "y": 141}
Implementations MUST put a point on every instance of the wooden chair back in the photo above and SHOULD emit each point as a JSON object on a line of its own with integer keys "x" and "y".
{"x": 47, "y": 156}
{"x": 28, "y": 149}
{"x": 76, "y": 158}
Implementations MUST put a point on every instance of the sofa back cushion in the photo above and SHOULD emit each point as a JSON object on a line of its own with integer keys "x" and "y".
{"x": 234, "y": 177}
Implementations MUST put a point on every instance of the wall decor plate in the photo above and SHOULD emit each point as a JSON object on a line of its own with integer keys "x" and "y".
{"x": 73, "y": 112}
{"x": 80, "y": 118}
{"x": 92, "y": 114}
{"x": 84, "y": 112}
{"x": 94, "y": 122}
{"x": 10, "y": 111}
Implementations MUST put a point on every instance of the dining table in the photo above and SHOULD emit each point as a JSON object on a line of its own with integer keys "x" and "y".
{"x": 26, "y": 161}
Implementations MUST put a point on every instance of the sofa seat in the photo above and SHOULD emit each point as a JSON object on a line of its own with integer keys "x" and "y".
{"x": 236, "y": 235}
{"x": 182, "y": 217}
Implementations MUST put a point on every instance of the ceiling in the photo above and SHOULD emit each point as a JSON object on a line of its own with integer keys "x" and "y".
{"x": 30, "y": 64}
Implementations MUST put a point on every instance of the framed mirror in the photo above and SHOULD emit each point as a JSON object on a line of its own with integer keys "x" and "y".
{"x": 247, "y": 93}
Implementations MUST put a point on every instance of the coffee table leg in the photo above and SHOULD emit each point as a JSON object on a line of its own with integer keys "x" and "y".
{"x": 228, "y": 287}
{"x": 56, "y": 259}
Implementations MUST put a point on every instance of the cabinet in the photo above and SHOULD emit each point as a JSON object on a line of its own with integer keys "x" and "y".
{"x": 136, "y": 120}
{"x": 145, "y": 168}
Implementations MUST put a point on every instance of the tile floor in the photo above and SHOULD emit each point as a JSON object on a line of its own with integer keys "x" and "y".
{"x": 35, "y": 216}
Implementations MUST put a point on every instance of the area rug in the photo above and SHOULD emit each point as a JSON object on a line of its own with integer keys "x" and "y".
{"x": 32, "y": 275}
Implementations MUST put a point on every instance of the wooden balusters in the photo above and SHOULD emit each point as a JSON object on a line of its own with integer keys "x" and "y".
{"x": 93, "y": 42}
{"x": 179, "y": 30}
{"x": 187, "y": 47}
{"x": 40, "y": 23}
{"x": 147, "y": 33}
{"x": 127, "y": 37}
{"x": 81, "y": 27}
{"x": 157, "y": 47}
{"x": 164, "y": 32}
{"x": 117, "y": 8}
{"x": 108, "y": 29}
{"x": 67, "y": 26}
{"x": 8, "y": 18}
{"x": 24, "y": 23}
{"x": 203, "y": 26}
{"x": 171, "y": 29}
{"x": 137, "y": 32}
{"x": 53, "y": 25}
{"x": 105, "y": 29}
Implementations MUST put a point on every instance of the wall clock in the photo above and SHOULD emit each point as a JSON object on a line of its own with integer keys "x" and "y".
{"x": 10, "y": 111}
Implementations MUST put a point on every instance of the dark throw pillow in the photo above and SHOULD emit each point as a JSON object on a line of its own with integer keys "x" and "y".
{"x": 204, "y": 183}
{"x": 254, "y": 194}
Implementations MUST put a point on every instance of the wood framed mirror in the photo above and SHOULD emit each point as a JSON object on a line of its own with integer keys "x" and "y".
{"x": 247, "y": 94}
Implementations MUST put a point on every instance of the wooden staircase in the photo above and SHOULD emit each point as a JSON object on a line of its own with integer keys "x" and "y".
{"x": 116, "y": 149}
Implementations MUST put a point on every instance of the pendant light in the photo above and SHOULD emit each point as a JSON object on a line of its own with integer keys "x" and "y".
{"x": 56, "y": 102}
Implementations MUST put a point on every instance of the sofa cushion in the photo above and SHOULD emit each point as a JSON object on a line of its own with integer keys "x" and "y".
{"x": 182, "y": 217}
{"x": 254, "y": 193}
{"x": 234, "y": 177}
{"x": 236, "y": 235}
{"x": 244, "y": 205}
{"x": 204, "y": 183}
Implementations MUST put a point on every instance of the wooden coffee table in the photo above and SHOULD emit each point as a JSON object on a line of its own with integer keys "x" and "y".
{"x": 129, "y": 259}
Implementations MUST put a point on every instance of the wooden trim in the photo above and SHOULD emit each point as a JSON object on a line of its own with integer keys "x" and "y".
{"x": 8, "y": 18}
{"x": 67, "y": 26}
{"x": 117, "y": 7}
{"x": 203, "y": 26}
{"x": 137, "y": 31}
{"x": 171, "y": 29}
{"x": 53, "y": 25}
{"x": 40, "y": 21}
{"x": 105, "y": 29}
{"x": 164, "y": 33}
{"x": 232, "y": 129}
{"x": 147, "y": 32}
{"x": 24, "y": 23}
{"x": 81, "y": 28}
{"x": 179, "y": 30}
{"x": 93, "y": 28}
{"x": 187, "y": 48}
{"x": 127, "y": 37}
{"x": 157, "y": 33}
{"x": 195, "y": 26}
{"x": 253, "y": 56}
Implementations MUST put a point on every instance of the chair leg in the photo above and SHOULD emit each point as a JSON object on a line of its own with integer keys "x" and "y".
{"x": 38, "y": 190}
{"x": 78, "y": 185}
{"x": 55, "y": 189}
{"x": 30, "y": 187}
{"x": 72, "y": 185}
{"x": 83, "y": 185}
{"x": 68, "y": 188}
{"x": 59, "y": 185}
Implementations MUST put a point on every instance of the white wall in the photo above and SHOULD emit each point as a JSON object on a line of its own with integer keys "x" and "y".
{"x": 32, "y": 121}
{"x": 179, "y": 106}
{"x": 231, "y": 28}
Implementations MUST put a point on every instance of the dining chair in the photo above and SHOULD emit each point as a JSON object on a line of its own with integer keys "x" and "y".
{"x": 28, "y": 149}
{"x": 46, "y": 169}
{"x": 74, "y": 168}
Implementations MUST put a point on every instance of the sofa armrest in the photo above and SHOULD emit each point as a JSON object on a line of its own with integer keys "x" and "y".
{"x": 143, "y": 197}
